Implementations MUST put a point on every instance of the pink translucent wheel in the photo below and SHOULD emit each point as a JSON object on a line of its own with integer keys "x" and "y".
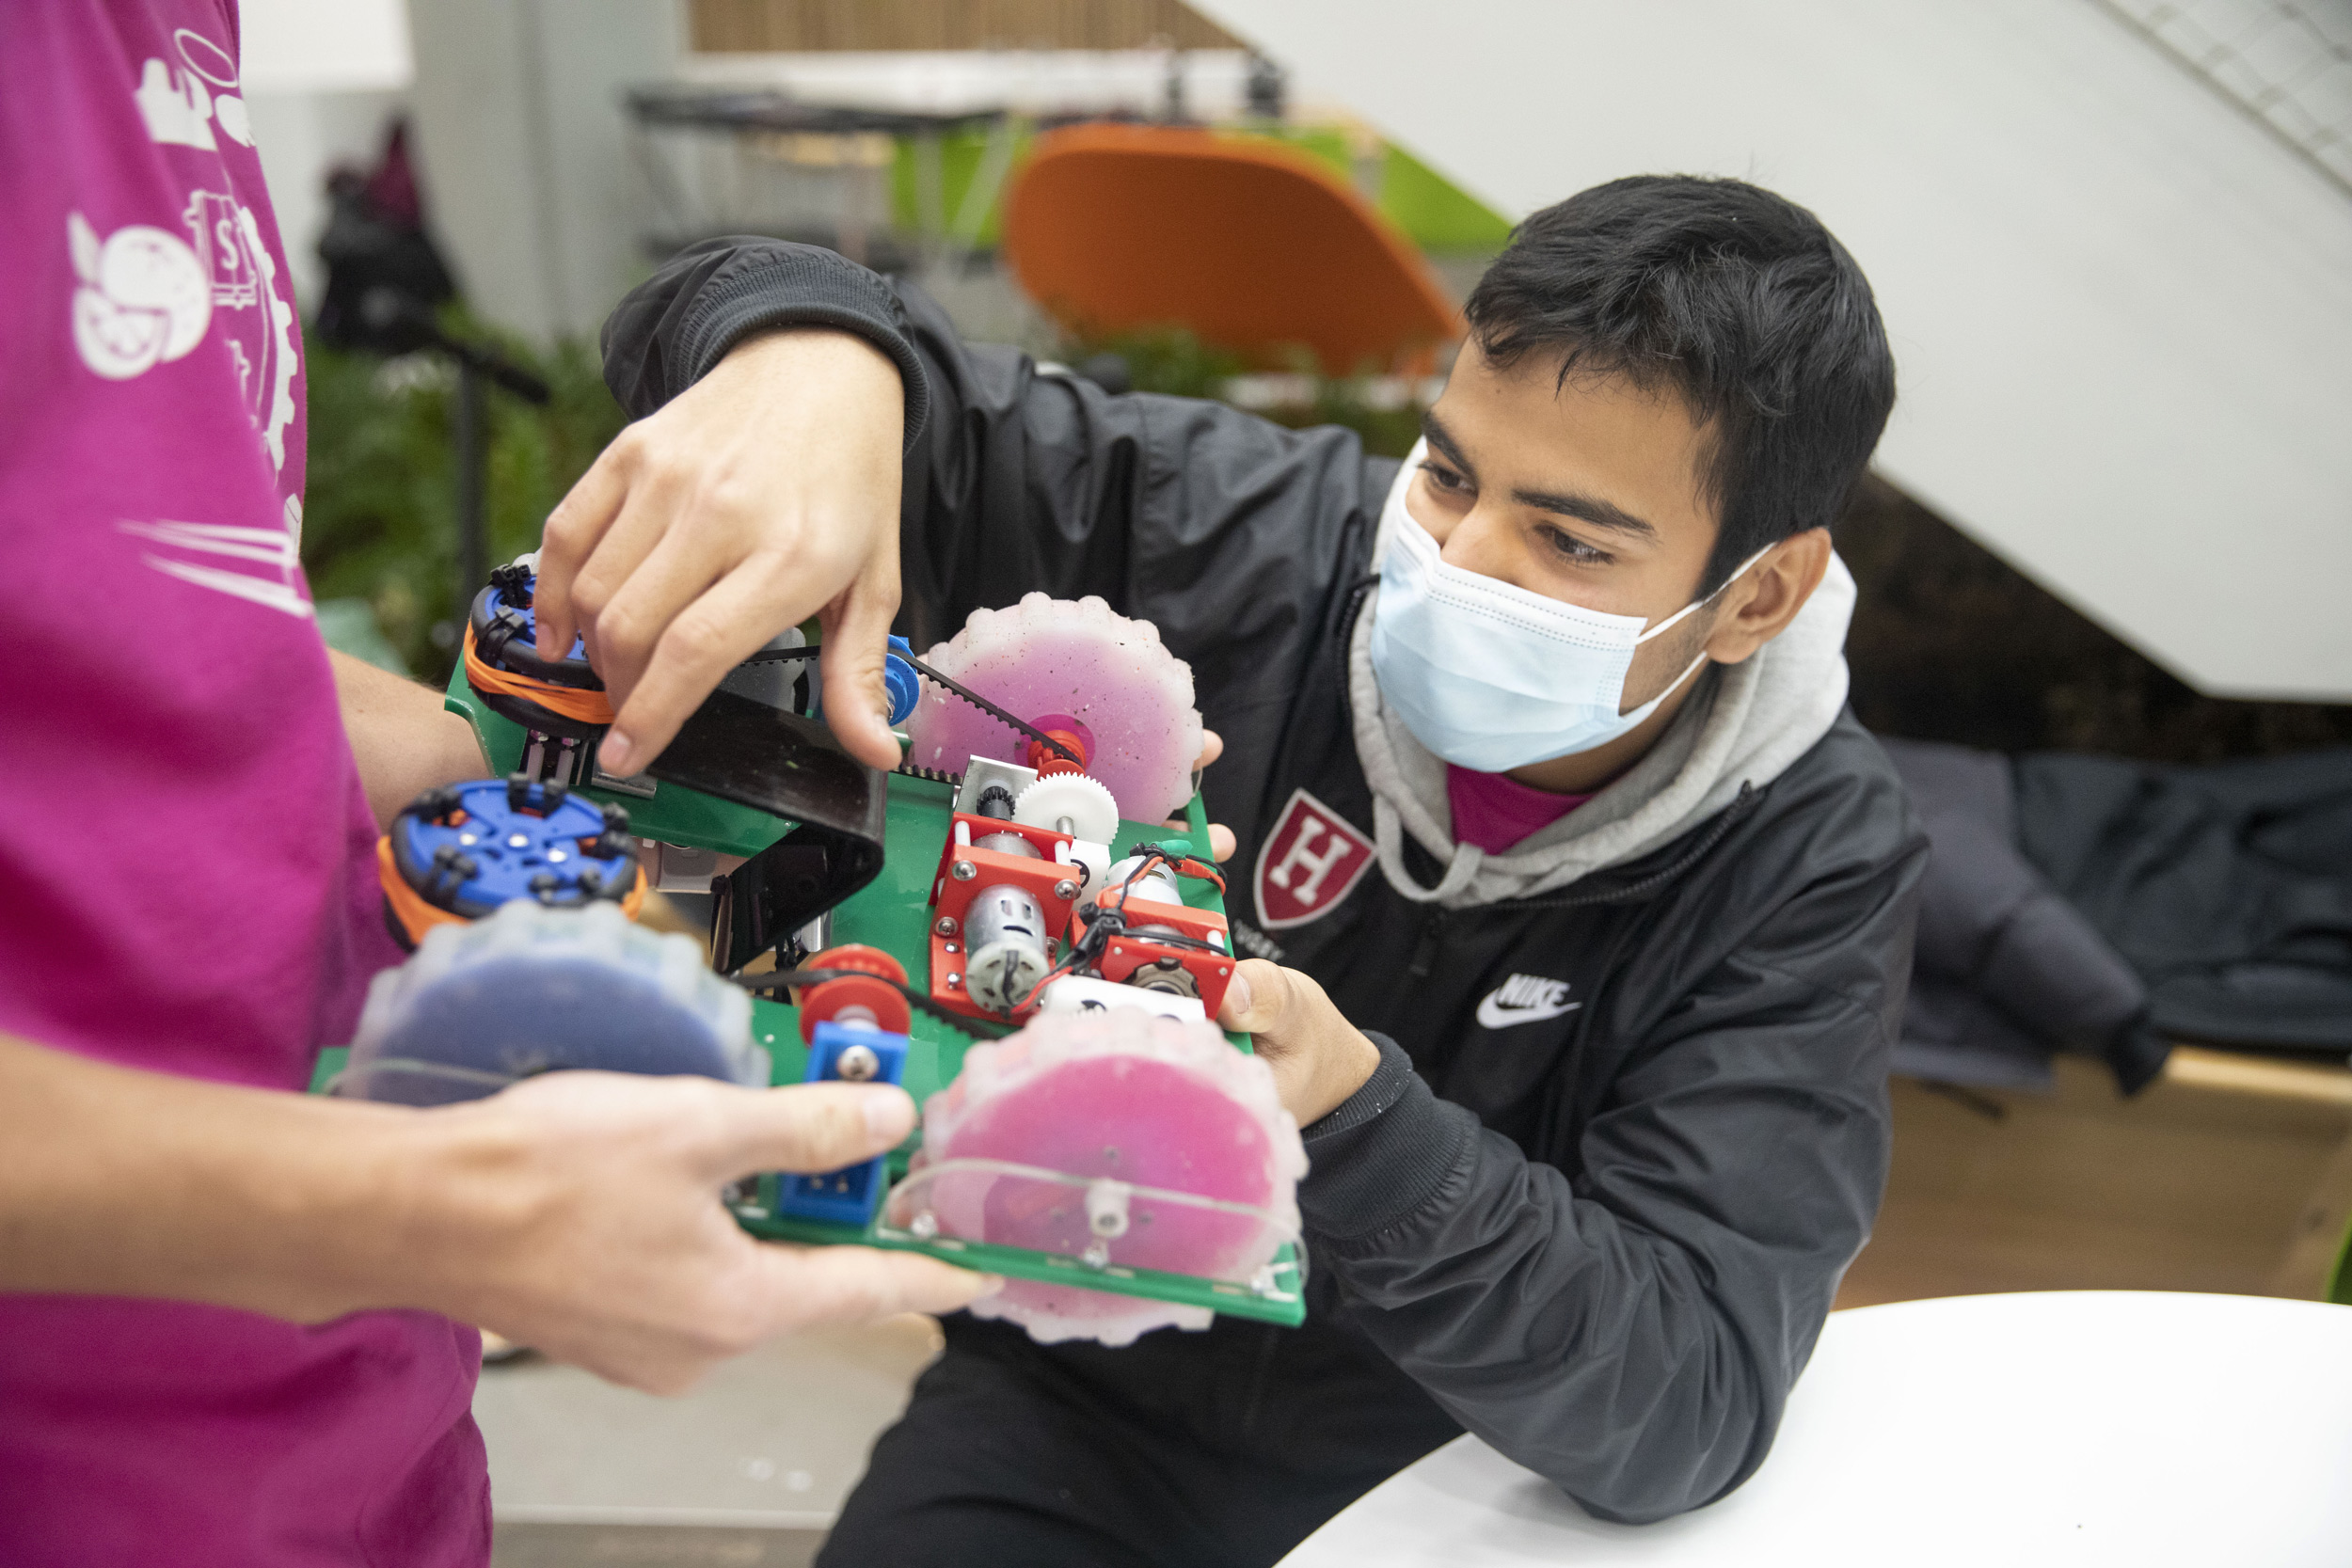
{"x": 1079, "y": 667}
{"x": 1126, "y": 1141}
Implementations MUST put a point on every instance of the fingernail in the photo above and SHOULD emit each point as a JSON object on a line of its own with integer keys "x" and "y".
{"x": 1238, "y": 996}
{"x": 989, "y": 1285}
{"x": 618, "y": 754}
{"x": 889, "y": 1114}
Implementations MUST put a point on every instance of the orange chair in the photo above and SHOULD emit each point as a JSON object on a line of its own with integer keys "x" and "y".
{"x": 1252, "y": 246}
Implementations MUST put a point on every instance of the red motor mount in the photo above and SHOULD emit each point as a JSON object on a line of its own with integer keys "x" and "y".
{"x": 1134, "y": 955}
{"x": 966, "y": 868}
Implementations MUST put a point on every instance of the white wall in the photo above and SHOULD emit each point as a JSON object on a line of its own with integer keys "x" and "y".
{"x": 321, "y": 80}
{"x": 523, "y": 140}
{"x": 2122, "y": 314}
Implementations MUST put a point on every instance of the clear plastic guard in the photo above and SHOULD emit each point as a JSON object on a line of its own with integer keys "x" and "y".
{"x": 1113, "y": 1229}
{"x": 402, "y": 1080}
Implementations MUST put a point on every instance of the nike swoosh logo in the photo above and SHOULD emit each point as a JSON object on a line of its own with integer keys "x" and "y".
{"x": 1494, "y": 1013}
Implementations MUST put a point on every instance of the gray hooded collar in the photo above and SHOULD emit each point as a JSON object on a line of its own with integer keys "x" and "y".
{"x": 1745, "y": 723}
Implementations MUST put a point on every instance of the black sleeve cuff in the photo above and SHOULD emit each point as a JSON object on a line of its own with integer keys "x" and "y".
{"x": 773, "y": 285}
{"x": 1383, "y": 1153}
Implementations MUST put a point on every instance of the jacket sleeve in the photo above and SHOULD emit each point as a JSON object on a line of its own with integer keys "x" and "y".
{"x": 1631, "y": 1333}
{"x": 1189, "y": 514}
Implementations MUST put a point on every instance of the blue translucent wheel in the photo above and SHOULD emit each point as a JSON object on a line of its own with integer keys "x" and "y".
{"x": 533, "y": 990}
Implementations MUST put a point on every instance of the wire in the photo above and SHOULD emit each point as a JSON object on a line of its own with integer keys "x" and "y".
{"x": 1111, "y": 921}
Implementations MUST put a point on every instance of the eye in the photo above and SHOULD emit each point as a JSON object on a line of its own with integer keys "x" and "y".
{"x": 1445, "y": 479}
{"x": 1572, "y": 549}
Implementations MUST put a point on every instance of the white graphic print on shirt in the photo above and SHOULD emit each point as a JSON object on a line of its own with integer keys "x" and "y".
{"x": 144, "y": 298}
{"x": 178, "y": 111}
{"x": 148, "y": 294}
{"x": 148, "y": 297}
{"x": 279, "y": 552}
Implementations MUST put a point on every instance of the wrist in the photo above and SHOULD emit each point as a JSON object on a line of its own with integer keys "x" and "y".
{"x": 454, "y": 1203}
{"x": 1344, "y": 1069}
{"x": 310, "y": 1208}
{"x": 829, "y": 355}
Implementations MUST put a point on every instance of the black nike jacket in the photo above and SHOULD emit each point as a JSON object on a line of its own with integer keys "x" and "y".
{"x": 1625, "y": 1138}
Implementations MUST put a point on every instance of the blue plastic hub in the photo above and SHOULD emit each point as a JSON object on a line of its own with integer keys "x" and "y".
{"x": 497, "y": 602}
{"x": 899, "y": 680}
{"x": 470, "y": 848}
{"x": 846, "y": 1197}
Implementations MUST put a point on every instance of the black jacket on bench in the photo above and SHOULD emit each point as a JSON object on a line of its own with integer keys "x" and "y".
{"x": 1603, "y": 1241}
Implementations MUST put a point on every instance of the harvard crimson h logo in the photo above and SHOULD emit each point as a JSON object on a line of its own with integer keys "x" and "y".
{"x": 1312, "y": 860}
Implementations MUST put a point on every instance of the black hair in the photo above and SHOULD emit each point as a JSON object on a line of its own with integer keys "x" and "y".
{"x": 1738, "y": 301}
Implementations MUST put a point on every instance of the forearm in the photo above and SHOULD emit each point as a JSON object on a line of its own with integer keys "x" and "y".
{"x": 1583, "y": 1346}
{"x": 404, "y": 741}
{"x": 121, "y": 1183}
{"x": 1595, "y": 1355}
{"x": 674, "y": 329}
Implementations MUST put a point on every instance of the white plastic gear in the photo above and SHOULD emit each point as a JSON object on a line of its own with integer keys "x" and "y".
{"x": 1047, "y": 657}
{"x": 1158, "y": 1103}
{"x": 527, "y": 988}
{"x": 1086, "y": 803}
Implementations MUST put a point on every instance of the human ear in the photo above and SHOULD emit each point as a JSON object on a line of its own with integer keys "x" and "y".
{"x": 1759, "y": 605}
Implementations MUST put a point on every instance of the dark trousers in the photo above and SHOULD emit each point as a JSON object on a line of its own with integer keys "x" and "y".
{"x": 1218, "y": 1450}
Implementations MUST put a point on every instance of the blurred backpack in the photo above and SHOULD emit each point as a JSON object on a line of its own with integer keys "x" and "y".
{"x": 376, "y": 240}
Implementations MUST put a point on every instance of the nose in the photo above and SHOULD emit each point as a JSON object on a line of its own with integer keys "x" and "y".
{"x": 1479, "y": 542}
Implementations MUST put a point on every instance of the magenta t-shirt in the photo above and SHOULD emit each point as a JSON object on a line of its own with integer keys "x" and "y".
{"x": 1495, "y": 811}
{"x": 186, "y": 855}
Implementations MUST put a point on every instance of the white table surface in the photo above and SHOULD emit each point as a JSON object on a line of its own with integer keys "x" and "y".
{"x": 2076, "y": 1427}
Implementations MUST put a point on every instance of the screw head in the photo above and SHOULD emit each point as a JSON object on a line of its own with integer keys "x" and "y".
{"x": 1065, "y": 891}
{"x": 857, "y": 1062}
{"x": 965, "y": 871}
{"x": 954, "y": 980}
{"x": 947, "y": 925}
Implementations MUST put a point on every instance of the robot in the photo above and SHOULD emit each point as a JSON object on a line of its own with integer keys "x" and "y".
{"x": 1005, "y": 926}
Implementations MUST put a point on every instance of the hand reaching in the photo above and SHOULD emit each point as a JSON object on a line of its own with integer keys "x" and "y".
{"x": 763, "y": 494}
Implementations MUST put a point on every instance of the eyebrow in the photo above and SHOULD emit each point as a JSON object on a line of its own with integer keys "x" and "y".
{"x": 1589, "y": 509}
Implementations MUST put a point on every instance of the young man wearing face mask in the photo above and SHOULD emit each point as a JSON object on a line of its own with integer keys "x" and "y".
{"x": 1582, "y": 906}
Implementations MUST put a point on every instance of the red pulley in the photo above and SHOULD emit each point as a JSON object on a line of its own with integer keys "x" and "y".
{"x": 871, "y": 984}
{"x": 1048, "y": 762}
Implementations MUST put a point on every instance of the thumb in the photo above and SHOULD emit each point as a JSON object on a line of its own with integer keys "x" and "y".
{"x": 809, "y": 1128}
{"x": 857, "y": 636}
{"x": 1257, "y": 1000}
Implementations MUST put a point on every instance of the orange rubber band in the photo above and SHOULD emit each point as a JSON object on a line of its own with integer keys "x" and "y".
{"x": 584, "y": 707}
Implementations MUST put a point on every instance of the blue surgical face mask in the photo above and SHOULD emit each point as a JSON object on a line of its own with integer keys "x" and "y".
{"x": 1491, "y": 677}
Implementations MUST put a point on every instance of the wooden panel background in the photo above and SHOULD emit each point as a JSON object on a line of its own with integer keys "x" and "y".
{"x": 2230, "y": 1174}
{"x": 736, "y": 26}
